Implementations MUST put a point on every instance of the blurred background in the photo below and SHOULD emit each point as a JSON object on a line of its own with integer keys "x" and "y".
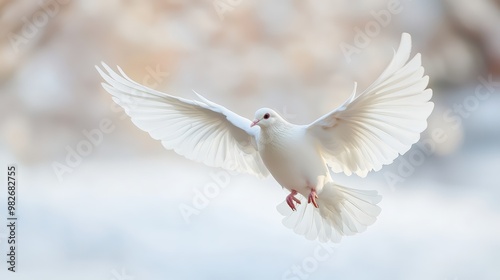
{"x": 115, "y": 211}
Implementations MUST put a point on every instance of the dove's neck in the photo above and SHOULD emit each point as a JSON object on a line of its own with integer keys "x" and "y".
{"x": 276, "y": 134}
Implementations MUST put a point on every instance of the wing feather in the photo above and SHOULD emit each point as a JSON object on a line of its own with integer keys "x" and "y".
{"x": 384, "y": 121}
{"x": 202, "y": 131}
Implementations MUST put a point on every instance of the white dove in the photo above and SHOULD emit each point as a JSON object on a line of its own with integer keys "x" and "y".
{"x": 369, "y": 130}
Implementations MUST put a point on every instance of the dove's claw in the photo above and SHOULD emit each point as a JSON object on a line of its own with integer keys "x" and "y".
{"x": 312, "y": 198}
{"x": 291, "y": 198}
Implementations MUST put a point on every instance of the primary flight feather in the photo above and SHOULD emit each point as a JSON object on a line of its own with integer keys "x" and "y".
{"x": 368, "y": 131}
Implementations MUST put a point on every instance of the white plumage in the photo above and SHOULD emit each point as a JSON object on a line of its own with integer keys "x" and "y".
{"x": 368, "y": 131}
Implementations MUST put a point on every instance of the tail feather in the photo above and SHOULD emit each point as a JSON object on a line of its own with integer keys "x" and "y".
{"x": 342, "y": 211}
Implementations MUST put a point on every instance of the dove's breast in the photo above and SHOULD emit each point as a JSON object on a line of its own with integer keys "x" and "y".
{"x": 292, "y": 159}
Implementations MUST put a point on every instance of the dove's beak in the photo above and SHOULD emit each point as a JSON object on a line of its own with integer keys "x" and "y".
{"x": 254, "y": 123}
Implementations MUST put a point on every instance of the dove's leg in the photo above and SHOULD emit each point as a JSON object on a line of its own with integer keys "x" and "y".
{"x": 313, "y": 195}
{"x": 312, "y": 198}
{"x": 291, "y": 198}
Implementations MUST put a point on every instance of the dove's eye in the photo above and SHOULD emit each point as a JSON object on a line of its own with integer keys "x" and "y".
{"x": 266, "y": 116}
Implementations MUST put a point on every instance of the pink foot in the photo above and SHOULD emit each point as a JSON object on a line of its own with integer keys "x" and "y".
{"x": 291, "y": 198}
{"x": 312, "y": 198}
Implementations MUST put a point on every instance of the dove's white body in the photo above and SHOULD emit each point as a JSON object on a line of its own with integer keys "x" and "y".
{"x": 292, "y": 158}
{"x": 369, "y": 130}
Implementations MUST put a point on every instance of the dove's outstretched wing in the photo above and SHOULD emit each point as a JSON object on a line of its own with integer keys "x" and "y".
{"x": 199, "y": 130}
{"x": 385, "y": 120}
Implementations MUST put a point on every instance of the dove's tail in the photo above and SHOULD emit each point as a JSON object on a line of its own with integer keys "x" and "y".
{"x": 342, "y": 211}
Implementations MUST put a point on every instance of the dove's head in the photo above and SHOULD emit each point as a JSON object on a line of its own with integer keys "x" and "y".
{"x": 266, "y": 117}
